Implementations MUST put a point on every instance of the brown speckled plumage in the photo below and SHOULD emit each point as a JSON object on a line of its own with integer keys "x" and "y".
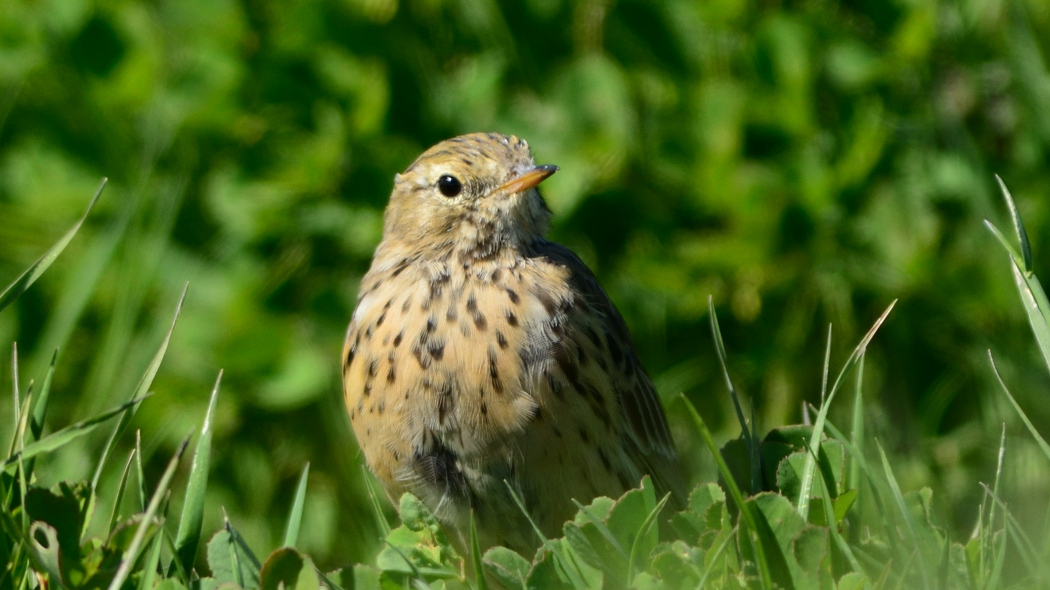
{"x": 481, "y": 352}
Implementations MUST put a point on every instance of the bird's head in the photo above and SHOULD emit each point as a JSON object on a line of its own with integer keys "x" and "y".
{"x": 473, "y": 194}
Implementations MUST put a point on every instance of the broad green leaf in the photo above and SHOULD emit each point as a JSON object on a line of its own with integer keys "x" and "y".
{"x": 286, "y": 569}
{"x": 507, "y": 567}
{"x": 45, "y": 546}
{"x": 231, "y": 560}
{"x": 692, "y": 522}
{"x": 854, "y": 581}
{"x": 169, "y": 584}
{"x": 31, "y": 274}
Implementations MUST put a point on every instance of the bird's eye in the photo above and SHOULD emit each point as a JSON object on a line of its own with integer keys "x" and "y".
{"x": 449, "y": 186}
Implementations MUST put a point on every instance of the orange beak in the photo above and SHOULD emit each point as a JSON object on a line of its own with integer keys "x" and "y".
{"x": 528, "y": 179}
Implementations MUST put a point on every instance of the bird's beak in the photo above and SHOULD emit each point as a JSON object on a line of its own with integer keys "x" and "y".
{"x": 528, "y": 180}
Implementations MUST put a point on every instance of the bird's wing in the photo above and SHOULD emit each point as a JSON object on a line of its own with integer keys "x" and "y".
{"x": 650, "y": 443}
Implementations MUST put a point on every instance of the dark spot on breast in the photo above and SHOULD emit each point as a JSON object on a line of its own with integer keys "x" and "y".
{"x": 372, "y": 366}
{"x": 513, "y": 296}
{"x": 475, "y": 313}
{"x": 452, "y": 314}
{"x": 501, "y": 340}
{"x": 407, "y": 304}
{"x": 546, "y": 301}
{"x": 365, "y": 392}
{"x": 422, "y": 359}
{"x": 382, "y": 317}
{"x": 389, "y": 303}
{"x": 484, "y": 408}
{"x": 436, "y": 348}
{"x": 397, "y": 339}
{"x": 377, "y": 283}
{"x": 511, "y": 318}
{"x": 497, "y": 384}
{"x": 391, "y": 375}
{"x": 349, "y": 358}
{"x": 368, "y": 333}
{"x": 381, "y": 406}
{"x": 496, "y": 275}
{"x": 401, "y": 266}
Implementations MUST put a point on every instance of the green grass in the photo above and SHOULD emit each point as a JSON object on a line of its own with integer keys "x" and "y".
{"x": 804, "y": 506}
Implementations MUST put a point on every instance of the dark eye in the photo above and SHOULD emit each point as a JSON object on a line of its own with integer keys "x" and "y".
{"x": 449, "y": 186}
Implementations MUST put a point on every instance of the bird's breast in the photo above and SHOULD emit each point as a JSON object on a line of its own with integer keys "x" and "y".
{"x": 450, "y": 353}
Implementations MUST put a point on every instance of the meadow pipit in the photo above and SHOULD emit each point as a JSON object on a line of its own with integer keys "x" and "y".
{"x": 482, "y": 357}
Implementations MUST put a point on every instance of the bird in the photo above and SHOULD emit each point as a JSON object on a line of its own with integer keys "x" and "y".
{"x": 485, "y": 370}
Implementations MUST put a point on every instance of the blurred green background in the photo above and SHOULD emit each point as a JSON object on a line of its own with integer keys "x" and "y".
{"x": 803, "y": 163}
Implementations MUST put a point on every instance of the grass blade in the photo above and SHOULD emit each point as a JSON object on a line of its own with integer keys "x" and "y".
{"x": 898, "y": 497}
{"x": 139, "y": 476}
{"x": 16, "y": 403}
{"x": 70, "y": 433}
{"x": 36, "y": 427}
{"x": 857, "y": 433}
{"x": 808, "y": 470}
{"x": 734, "y": 491}
{"x": 295, "y": 517}
{"x": 192, "y": 520}
{"x": 1024, "y": 417}
{"x": 120, "y": 493}
{"x": 131, "y": 553}
{"x": 140, "y": 389}
{"x": 750, "y": 441}
{"x": 475, "y": 556}
{"x": 377, "y": 507}
{"x": 1015, "y": 217}
{"x": 1031, "y": 295}
{"x": 31, "y": 274}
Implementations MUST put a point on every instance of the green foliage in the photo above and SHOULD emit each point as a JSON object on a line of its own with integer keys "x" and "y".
{"x": 788, "y": 534}
{"x": 803, "y": 163}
